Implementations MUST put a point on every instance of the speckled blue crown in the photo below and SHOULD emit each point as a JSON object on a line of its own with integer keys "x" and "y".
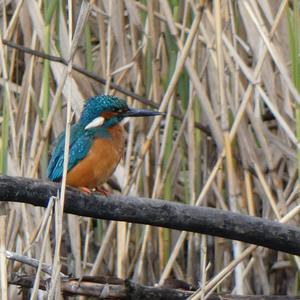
{"x": 94, "y": 106}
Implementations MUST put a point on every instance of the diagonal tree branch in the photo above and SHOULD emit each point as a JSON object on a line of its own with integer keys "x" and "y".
{"x": 156, "y": 212}
{"x": 99, "y": 79}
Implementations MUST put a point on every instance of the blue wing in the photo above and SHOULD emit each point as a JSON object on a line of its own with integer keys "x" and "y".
{"x": 80, "y": 145}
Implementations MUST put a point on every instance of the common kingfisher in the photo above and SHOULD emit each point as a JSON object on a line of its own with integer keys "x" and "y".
{"x": 96, "y": 143}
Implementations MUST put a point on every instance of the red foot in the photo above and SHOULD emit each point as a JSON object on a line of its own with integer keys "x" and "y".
{"x": 99, "y": 190}
{"x": 85, "y": 189}
{"x": 103, "y": 191}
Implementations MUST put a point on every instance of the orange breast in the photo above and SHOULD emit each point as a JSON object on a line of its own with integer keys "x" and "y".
{"x": 100, "y": 162}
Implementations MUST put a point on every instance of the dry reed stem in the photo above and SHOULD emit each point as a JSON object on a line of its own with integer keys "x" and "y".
{"x": 171, "y": 87}
{"x": 3, "y": 268}
{"x": 35, "y": 288}
{"x": 73, "y": 43}
{"x": 233, "y": 132}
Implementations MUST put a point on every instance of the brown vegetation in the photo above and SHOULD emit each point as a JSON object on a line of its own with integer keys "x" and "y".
{"x": 227, "y": 76}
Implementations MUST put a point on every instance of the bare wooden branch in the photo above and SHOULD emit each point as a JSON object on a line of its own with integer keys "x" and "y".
{"x": 30, "y": 262}
{"x": 156, "y": 212}
{"x": 110, "y": 288}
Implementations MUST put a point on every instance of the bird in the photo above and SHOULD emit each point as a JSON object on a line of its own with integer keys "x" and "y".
{"x": 97, "y": 143}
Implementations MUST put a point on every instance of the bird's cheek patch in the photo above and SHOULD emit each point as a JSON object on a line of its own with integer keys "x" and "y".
{"x": 95, "y": 123}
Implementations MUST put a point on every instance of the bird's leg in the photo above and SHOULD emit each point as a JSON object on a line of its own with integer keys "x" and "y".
{"x": 85, "y": 189}
{"x": 101, "y": 190}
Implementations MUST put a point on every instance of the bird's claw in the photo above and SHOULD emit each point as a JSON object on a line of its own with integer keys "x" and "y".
{"x": 103, "y": 191}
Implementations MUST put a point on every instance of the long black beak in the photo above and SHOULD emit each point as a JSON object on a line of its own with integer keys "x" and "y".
{"x": 140, "y": 113}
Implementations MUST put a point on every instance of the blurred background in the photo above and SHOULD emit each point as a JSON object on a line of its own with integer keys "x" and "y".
{"x": 227, "y": 76}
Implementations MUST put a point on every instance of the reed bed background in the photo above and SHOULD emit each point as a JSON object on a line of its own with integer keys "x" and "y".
{"x": 228, "y": 79}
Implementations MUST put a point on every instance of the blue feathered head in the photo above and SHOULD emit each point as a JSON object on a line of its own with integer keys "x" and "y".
{"x": 106, "y": 111}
